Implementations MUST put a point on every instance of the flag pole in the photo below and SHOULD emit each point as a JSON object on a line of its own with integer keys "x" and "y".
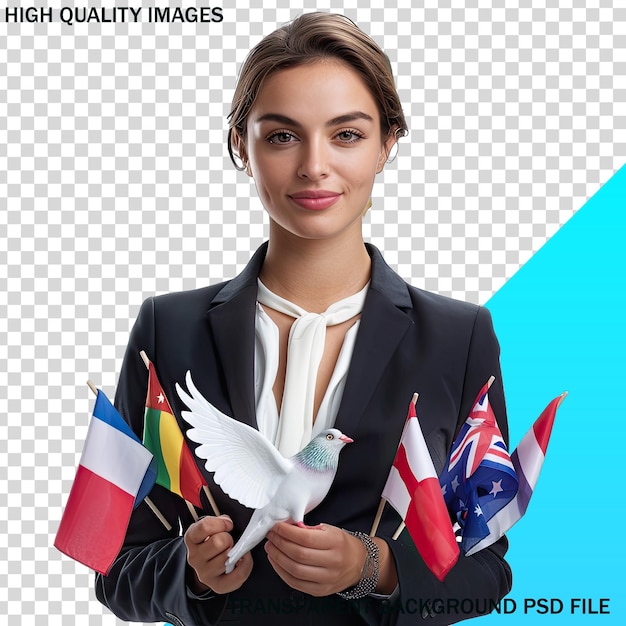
{"x": 402, "y": 524}
{"x": 147, "y": 500}
{"x": 379, "y": 514}
{"x": 158, "y": 513}
{"x": 145, "y": 359}
{"x": 192, "y": 510}
{"x": 211, "y": 500}
{"x": 206, "y": 489}
{"x": 563, "y": 396}
{"x": 398, "y": 531}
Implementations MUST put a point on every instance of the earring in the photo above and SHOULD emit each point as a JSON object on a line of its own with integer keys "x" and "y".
{"x": 240, "y": 164}
{"x": 395, "y": 154}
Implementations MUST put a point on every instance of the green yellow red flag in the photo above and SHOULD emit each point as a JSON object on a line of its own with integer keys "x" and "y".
{"x": 177, "y": 469}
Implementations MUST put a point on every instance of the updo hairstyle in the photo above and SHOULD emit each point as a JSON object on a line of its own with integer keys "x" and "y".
{"x": 309, "y": 38}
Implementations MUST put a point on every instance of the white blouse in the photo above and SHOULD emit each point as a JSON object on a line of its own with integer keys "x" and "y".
{"x": 294, "y": 427}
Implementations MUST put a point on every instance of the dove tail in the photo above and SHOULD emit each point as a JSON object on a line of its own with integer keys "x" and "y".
{"x": 254, "y": 533}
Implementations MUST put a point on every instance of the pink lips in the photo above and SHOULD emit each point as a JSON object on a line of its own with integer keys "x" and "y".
{"x": 315, "y": 200}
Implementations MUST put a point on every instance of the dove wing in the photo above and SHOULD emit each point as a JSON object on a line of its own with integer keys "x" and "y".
{"x": 246, "y": 464}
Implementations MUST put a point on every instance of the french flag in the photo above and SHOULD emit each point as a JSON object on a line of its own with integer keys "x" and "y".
{"x": 114, "y": 474}
{"x": 413, "y": 491}
{"x": 527, "y": 461}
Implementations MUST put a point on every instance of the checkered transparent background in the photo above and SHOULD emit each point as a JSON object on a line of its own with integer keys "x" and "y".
{"x": 115, "y": 185}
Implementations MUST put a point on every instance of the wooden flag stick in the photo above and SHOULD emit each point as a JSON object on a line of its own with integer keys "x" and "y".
{"x": 192, "y": 510}
{"x": 490, "y": 381}
{"x": 145, "y": 358}
{"x": 209, "y": 496}
{"x": 158, "y": 513}
{"x": 147, "y": 500}
{"x": 398, "y": 531}
{"x": 211, "y": 499}
{"x": 379, "y": 514}
{"x": 563, "y": 396}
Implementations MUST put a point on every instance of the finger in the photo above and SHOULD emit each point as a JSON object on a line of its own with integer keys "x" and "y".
{"x": 205, "y": 527}
{"x": 242, "y": 569}
{"x": 214, "y": 546}
{"x": 312, "y": 560}
{"x": 286, "y": 567}
{"x": 316, "y": 537}
{"x": 293, "y": 551}
{"x": 208, "y": 559}
{"x": 224, "y": 583}
{"x": 302, "y": 581}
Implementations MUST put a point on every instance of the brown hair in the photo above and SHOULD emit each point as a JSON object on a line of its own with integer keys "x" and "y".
{"x": 309, "y": 38}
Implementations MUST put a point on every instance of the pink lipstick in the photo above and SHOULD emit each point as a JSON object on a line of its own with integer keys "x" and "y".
{"x": 315, "y": 200}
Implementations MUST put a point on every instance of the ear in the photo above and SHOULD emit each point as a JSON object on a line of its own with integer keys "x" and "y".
{"x": 239, "y": 146}
{"x": 386, "y": 148}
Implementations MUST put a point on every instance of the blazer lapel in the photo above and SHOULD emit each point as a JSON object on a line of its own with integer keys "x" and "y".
{"x": 232, "y": 320}
{"x": 384, "y": 323}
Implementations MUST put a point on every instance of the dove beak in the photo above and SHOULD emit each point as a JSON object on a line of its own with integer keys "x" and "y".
{"x": 346, "y": 439}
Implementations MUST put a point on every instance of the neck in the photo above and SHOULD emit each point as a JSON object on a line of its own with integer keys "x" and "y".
{"x": 315, "y": 273}
{"x": 315, "y": 457}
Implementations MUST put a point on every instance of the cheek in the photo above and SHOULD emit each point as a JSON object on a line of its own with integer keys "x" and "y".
{"x": 363, "y": 172}
{"x": 368, "y": 163}
{"x": 267, "y": 173}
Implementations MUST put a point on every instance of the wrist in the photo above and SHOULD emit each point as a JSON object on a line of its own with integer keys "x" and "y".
{"x": 388, "y": 576}
{"x": 194, "y": 584}
{"x": 368, "y": 577}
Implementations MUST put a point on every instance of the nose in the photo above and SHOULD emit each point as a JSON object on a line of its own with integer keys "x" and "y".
{"x": 314, "y": 160}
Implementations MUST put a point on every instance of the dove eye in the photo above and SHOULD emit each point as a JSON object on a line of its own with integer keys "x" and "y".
{"x": 330, "y": 437}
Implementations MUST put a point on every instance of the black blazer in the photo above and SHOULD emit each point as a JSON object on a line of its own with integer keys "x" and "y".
{"x": 409, "y": 340}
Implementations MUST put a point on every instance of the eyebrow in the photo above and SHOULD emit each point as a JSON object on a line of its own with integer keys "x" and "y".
{"x": 335, "y": 121}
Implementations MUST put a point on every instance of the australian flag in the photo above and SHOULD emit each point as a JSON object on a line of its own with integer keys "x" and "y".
{"x": 478, "y": 479}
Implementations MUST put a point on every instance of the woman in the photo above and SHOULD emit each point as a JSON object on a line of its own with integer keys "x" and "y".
{"x": 315, "y": 116}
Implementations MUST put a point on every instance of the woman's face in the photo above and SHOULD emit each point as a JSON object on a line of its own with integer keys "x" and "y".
{"x": 313, "y": 147}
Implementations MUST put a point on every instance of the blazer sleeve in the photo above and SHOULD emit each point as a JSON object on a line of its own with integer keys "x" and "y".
{"x": 147, "y": 582}
{"x": 476, "y": 583}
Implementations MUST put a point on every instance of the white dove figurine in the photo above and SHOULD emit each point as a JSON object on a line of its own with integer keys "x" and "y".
{"x": 251, "y": 470}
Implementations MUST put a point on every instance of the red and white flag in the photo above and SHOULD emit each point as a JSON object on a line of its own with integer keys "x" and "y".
{"x": 413, "y": 490}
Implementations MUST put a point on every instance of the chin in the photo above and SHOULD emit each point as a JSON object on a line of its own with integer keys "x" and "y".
{"x": 321, "y": 230}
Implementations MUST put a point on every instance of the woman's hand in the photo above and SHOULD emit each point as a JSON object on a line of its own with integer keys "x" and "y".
{"x": 208, "y": 542}
{"x": 324, "y": 559}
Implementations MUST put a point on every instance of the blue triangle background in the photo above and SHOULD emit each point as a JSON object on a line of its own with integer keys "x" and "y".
{"x": 561, "y": 324}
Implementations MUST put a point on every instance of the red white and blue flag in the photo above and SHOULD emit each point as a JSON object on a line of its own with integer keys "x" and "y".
{"x": 479, "y": 478}
{"x": 413, "y": 490}
{"x": 527, "y": 460}
{"x": 114, "y": 474}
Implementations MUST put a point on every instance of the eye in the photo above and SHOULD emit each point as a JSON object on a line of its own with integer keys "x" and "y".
{"x": 349, "y": 135}
{"x": 280, "y": 137}
{"x": 330, "y": 437}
